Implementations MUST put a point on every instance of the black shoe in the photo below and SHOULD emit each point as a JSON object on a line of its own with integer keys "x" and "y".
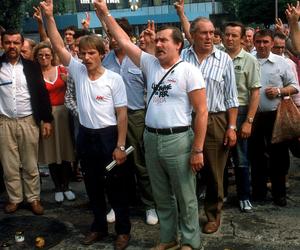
{"x": 280, "y": 201}
{"x": 92, "y": 237}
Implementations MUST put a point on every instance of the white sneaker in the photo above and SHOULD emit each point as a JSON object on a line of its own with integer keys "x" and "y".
{"x": 59, "y": 197}
{"x": 151, "y": 217}
{"x": 246, "y": 206}
{"x": 69, "y": 195}
{"x": 111, "y": 217}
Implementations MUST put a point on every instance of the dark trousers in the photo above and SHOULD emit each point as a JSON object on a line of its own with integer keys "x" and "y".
{"x": 267, "y": 159}
{"x": 95, "y": 148}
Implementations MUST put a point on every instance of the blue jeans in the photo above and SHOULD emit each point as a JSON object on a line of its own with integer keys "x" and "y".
{"x": 173, "y": 185}
{"x": 240, "y": 159}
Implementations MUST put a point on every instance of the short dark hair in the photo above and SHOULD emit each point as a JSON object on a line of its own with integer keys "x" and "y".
{"x": 176, "y": 34}
{"x": 236, "y": 24}
{"x": 218, "y": 32}
{"x": 280, "y": 36}
{"x": 71, "y": 27}
{"x": 125, "y": 25}
{"x": 10, "y": 33}
{"x": 92, "y": 41}
{"x": 264, "y": 32}
{"x": 80, "y": 33}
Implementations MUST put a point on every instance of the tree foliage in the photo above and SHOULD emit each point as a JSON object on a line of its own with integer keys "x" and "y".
{"x": 11, "y": 14}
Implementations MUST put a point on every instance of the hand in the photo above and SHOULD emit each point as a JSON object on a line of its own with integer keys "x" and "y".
{"x": 196, "y": 161}
{"x": 119, "y": 156}
{"x": 245, "y": 131}
{"x": 86, "y": 22}
{"x": 47, "y": 7}
{"x": 101, "y": 7}
{"x": 46, "y": 128}
{"x": 37, "y": 15}
{"x": 293, "y": 12}
{"x": 271, "y": 92}
{"x": 150, "y": 31}
{"x": 230, "y": 138}
{"x": 279, "y": 26}
{"x": 179, "y": 6}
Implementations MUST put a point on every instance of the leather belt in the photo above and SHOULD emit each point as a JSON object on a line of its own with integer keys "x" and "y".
{"x": 168, "y": 131}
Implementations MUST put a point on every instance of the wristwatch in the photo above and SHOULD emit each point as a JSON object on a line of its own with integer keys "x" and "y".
{"x": 279, "y": 92}
{"x": 233, "y": 127}
{"x": 250, "y": 120}
{"x": 122, "y": 148}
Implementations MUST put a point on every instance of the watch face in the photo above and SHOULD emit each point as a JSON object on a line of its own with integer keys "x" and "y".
{"x": 250, "y": 119}
{"x": 122, "y": 148}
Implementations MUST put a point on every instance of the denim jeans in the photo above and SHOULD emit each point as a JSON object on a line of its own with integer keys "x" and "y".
{"x": 240, "y": 159}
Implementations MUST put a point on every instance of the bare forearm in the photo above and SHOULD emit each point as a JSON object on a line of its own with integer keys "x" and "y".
{"x": 122, "y": 126}
{"x": 253, "y": 103}
{"x": 295, "y": 35}
{"x": 232, "y": 116}
{"x": 288, "y": 90}
{"x": 185, "y": 26}
{"x": 200, "y": 126}
{"x": 42, "y": 32}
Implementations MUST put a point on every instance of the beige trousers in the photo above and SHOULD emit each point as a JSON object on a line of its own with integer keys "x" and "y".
{"x": 18, "y": 153}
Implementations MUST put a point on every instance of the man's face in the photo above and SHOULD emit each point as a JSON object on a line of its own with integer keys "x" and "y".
{"x": 203, "y": 36}
{"x": 12, "y": 45}
{"x": 279, "y": 46}
{"x": 90, "y": 58}
{"x": 165, "y": 47}
{"x": 114, "y": 44}
{"x": 249, "y": 39}
{"x": 217, "y": 39}
{"x": 232, "y": 38}
{"x": 263, "y": 45}
{"x": 26, "y": 51}
{"x": 69, "y": 37}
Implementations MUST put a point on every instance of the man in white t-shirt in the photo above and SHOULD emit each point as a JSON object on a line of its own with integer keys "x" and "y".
{"x": 173, "y": 152}
{"x": 102, "y": 107}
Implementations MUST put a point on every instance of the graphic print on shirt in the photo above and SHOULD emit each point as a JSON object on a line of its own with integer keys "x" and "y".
{"x": 162, "y": 91}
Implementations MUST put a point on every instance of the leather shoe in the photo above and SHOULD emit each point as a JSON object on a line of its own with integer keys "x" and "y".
{"x": 122, "y": 241}
{"x": 280, "y": 201}
{"x": 166, "y": 246}
{"x": 211, "y": 227}
{"x": 92, "y": 237}
{"x": 11, "y": 207}
{"x": 37, "y": 207}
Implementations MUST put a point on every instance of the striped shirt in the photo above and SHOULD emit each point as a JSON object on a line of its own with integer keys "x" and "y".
{"x": 218, "y": 72}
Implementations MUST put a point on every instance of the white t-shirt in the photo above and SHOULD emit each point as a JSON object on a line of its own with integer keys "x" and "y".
{"x": 97, "y": 99}
{"x": 170, "y": 105}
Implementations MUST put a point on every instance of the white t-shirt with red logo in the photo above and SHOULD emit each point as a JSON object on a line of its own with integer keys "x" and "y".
{"x": 170, "y": 105}
{"x": 97, "y": 99}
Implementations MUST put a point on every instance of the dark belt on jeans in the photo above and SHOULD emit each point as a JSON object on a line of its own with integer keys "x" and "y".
{"x": 168, "y": 131}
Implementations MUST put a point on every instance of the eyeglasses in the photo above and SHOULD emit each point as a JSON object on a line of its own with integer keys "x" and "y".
{"x": 41, "y": 56}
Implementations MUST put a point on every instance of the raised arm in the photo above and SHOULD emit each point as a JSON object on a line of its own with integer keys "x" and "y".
{"x": 55, "y": 38}
{"x": 37, "y": 15}
{"x": 293, "y": 14}
{"x": 117, "y": 32}
{"x": 179, "y": 6}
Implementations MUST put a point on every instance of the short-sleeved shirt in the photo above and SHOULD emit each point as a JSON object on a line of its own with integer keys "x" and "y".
{"x": 247, "y": 75}
{"x": 97, "y": 99}
{"x": 218, "y": 72}
{"x": 275, "y": 72}
{"x": 132, "y": 77}
{"x": 170, "y": 105}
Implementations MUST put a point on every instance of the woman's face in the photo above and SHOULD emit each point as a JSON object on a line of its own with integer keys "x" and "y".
{"x": 44, "y": 57}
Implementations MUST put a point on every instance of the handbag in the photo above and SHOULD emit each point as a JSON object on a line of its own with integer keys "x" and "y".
{"x": 287, "y": 123}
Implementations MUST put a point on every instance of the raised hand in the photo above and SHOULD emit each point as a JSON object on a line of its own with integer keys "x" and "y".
{"x": 293, "y": 12}
{"x": 47, "y": 7}
{"x": 179, "y": 6}
{"x": 86, "y": 22}
{"x": 279, "y": 25}
{"x": 37, "y": 15}
{"x": 101, "y": 7}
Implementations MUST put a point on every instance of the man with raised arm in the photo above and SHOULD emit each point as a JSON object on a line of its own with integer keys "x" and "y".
{"x": 173, "y": 152}
{"x": 102, "y": 106}
{"x": 218, "y": 72}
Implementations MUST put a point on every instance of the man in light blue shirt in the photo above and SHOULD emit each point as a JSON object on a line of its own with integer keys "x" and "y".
{"x": 277, "y": 80}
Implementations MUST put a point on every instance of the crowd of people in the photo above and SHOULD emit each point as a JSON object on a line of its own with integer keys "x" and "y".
{"x": 76, "y": 103}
